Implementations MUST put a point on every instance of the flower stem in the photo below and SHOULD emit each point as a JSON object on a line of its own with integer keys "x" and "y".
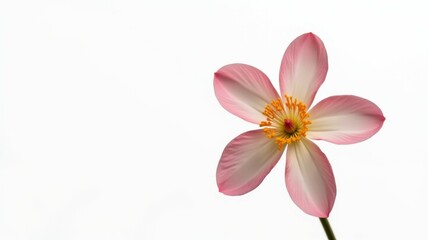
{"x": 327, "y": 229}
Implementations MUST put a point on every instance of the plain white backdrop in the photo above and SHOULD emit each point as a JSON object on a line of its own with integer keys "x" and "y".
{"x": 109, "y": 127}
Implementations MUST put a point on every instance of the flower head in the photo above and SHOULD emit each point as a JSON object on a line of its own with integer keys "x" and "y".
{"x": 286, "y": 123}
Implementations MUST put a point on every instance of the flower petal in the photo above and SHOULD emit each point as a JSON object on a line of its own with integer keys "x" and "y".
{"x": 245, "y": 162}
{"x": 345, "y": 119}
{"x": 309, "y": 178}
{"x": 244, "y": 91}
{"x": 303, "y": 68}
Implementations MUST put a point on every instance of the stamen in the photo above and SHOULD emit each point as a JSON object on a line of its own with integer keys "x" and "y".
{"x": 270, "y": 133}
{"x": 264, "y": 123}
{"x": 285, "y": 122}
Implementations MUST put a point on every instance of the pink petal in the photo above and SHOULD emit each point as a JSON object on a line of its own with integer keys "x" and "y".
{"x": 345, "y": 119}
{"x": 244, "y": 91}
{"x": 245, "y": 162}
{"x": 303, "y": 68}
{"x": 309, "y": 178}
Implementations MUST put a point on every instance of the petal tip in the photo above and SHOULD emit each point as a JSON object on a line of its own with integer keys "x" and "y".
{"x": 310, "y": 34}
{"x": 220, "y": 188}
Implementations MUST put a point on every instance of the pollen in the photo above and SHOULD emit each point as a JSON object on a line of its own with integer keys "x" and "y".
{"x": 286, "y": 122}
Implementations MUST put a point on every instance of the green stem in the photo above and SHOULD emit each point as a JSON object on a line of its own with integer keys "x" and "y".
{"x": 327, "y": 229}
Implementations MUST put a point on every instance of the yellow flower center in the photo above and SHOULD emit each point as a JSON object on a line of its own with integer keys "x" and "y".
{"x": 285, "y": 123}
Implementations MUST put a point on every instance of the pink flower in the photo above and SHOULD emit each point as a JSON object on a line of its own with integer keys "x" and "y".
{"x": 287, "y": 124}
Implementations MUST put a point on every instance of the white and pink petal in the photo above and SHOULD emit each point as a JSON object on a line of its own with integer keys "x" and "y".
{"x": 245, "y": 162}
{"x": 303, "y": 68}
{"x": 244, "y": 91}
{"x": 345, "y": 119}
{"x": 309, "y": 178}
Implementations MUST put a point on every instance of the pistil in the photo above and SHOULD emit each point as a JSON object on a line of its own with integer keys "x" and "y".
{"x": 289, "y": 126}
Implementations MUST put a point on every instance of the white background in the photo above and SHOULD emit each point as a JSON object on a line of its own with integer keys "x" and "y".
{"x": 110, "y": 129}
